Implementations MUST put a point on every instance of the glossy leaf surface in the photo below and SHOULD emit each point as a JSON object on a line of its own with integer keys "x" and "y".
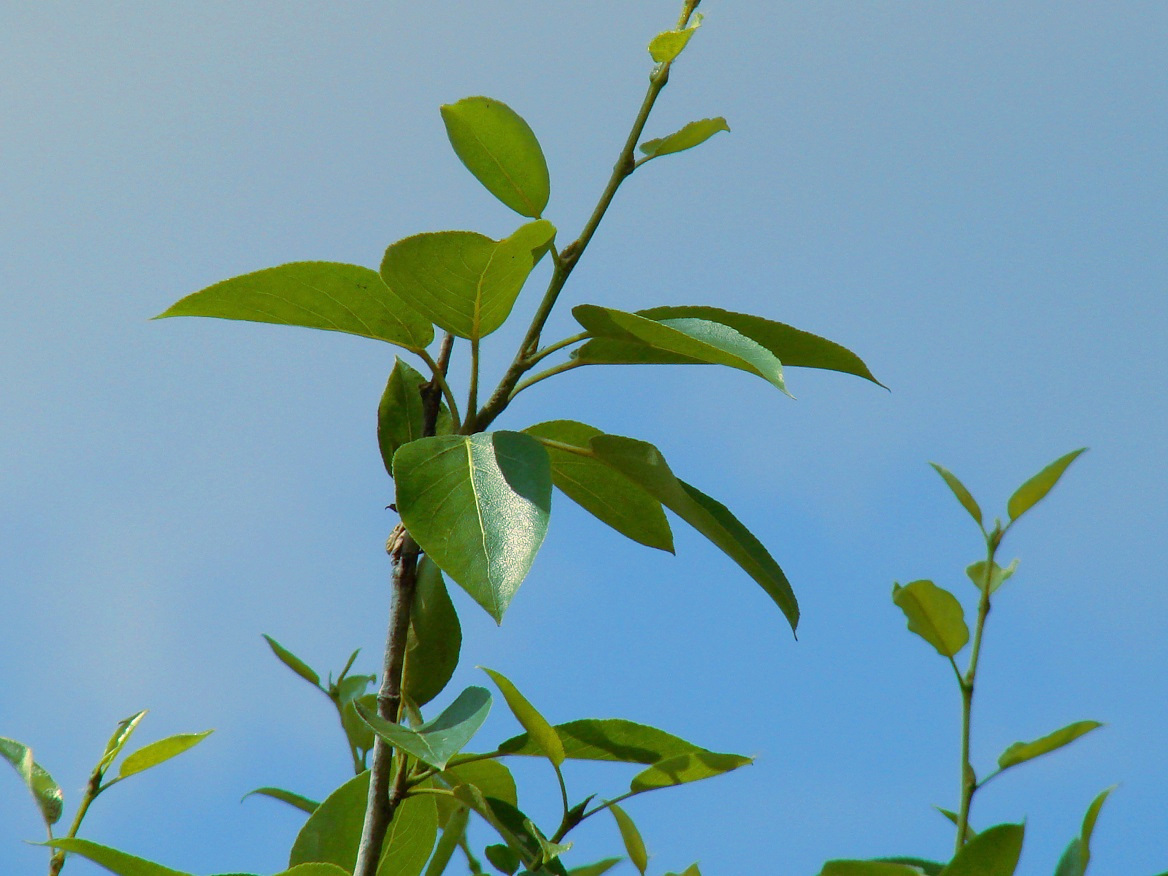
{"x": 684, "y": 768}
{"x": 998, "y": 576}
{"x": 499, "y": 148}
{"x": 292, "y": 661}
{"x": 439, "y": 739}
{"x": 631, "y": 837}
{"x": 119, "y": 738}
{"x": 993, "y": 852}
{"x": 434, "y": 639}
{"x": 462, "y": 281}
{"x": 46, "y": 793}
{"x": 1034, "y": 490}
{"x": 1020, "y": 752}
{"x": 320, "y": 295}
{"x": 693, "y": 134}
{"x": 601, "y": 490}
{"x": 113, "y": 860}
{"x": 933, "y": 614}
{"x": 298, "y": 801}
{"x": 479, "y": 506}
{"x": 159, "y": 752}
{"x": 538, "y": 729}
{"x": 960, "y": 491}
{"x": 611, "y": 739}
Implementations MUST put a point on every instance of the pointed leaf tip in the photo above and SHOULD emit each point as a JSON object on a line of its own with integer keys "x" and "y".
{"x": 959, "y": 490}
{"x": 541, "y": 732}
{"x": 934, "y": 614}
{"x": 1034, "y": 490}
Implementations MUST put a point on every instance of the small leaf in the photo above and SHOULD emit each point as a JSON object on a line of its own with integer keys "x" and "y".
{"x": 956, "y": 820}
{"x": 929, "y": 868}
{"x": 501, "y": 151}
{"x": 993, "y": 852}
{"x": 118, "y": 740}
{"x": 611, "y": 739}
{"x": 597, "y": 869}
{"x": 634, "y": 845}
{"x": 1078, "y": 854}
{"x": 462, "y": 281}
{"x": 315, "y": 869}
{"x": 1020, "y": 752}
{"x": 489, "y": 776}
{"x": 158, "y": 752}
{"x": 998, "y": 575}
{"x": 292, "y": 799}
{"x": 46, "y": 793}
{"x": 666, "y": 46}
{"x": 693, "y": 134}
{"x": 959, "y": 490}
{"x": 357, "y": 731}
{"x": 292, "y": 661}
{"x": 537, "y": 727}
{"x": 1089, "y": 821}
{"x": 435, "y": 637}
{"x": 516, "y": 829}
{"x": 605, "y": 493}
{"x": 320, "y": 295}
{"x": 116, "y": 862}
{"x": 479, "y": 506}
{"x": 439, "y": 739}
{"x": 691, "y": 870}
{"x": 868, "y": 868}
{"x": 1033, "y": 491}
{"x": 683, "y": 768}
{"x": 503, "y": 858}
{"x": 933, "y": 614}
{"x": 400, "y": 417}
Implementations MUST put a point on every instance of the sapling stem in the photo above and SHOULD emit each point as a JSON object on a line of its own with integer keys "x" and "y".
{"x": 93, "y": 787}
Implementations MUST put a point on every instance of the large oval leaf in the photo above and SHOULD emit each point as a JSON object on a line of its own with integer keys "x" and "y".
{"x": 502, "y": 152}
{"x": 462, "y": 281}
{"x": 435, "y": 742}
{"x": 934, "y": 614}
{"x": 993, "y": 852}
{"x": 320, "y": 295}
{"x": 478, "y": 505}
{"x": 435, "y": 637}
{"x": 113, "y": 860}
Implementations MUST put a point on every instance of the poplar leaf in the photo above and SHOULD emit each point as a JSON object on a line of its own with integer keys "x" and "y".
{"x": 993, "y": 852}
{"x": 959, "y": 490}
{"x": 634, "y": 845}
{"x": 693, "y": 134}
{"x": 684, "y": 768}
{"x": 597, "y": 869}
{"x": 116, "y": 862}
{"x": 159, "y": 752}
{"x": 1020, "y": 752}
{"x": 298, "y": 801}
{"x": 434, "y": 639}
{"x": 45, "y": 792}
{"x": 868, "y": 868}
{"x": 611, "y": 739}
{"x": 998, "y": 575}
{"x": 1034, "y": 490}
{"x": 665, "y": 47}
{"x": 537, "y": 727}
{"x": 439, "y": 739}
{"x": 933, "y": 614}
{"x": 292, "y": 661}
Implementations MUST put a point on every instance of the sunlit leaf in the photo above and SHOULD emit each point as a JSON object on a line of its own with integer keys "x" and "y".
{"x": 435, "y": 636}
{"x": 998, "y": 576}
{"x": 693, "y": 134}
{"x": 960, "y": 491}
{"x": 537, "y": 727}
{"x": 315, "y": 869}
{"x": 489, "y": 776}
{"x": 683, "y": 768}
{"x": 868, "y": 868}
{"x": 1035, "y": 489}
{"x": 292, "y": 661}
{"x": 410, "y": 838}
{"x": 291, "y": 798}
{"x": 119, "y": 738}
{"x": 1020, "y": 752}
{"x": 116, "y": 862}
{"x": 634, "y": 844}
{"x": 46, "y": 793}
{"x": 158, "y": 752}
{"x": 439, "y": 739}
{"x": 993, "y": 852}
{"x": 929, "y": 868}
{"x": 666, "y": 46}
{"x": 611, "y": 739}
{"x": 934, "y": 614}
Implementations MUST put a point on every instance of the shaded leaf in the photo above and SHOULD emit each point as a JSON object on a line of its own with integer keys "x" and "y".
{"x": 503, "y": 858}
{"x": 410, "y": 838}
{"x": 435, "y": 636}
{"x": 1035, "y": 489}
{"x": 291, "y": 798}
{"x": 292, "y": 661}
{"x": 462, "y": 281}
{"x": 400, "y": 417}
{"x": 611, "y": 739}
{"x": 113, "y": 860}
{"x": 993, "y": 852}
{"x": 602, "y": 491}
{"x": 1020, "y": 752}
{"x": 934, "y": 614}
{"x": 666, "y": 46}
{"x": 158, "y": 752}
{"x": 959, "y": 490}
{"x": 479, "y": 506}
{"x": 489, "y": 776}
{"x": 45, "y": 792}
{"x": 998, "y": 575}
{"x": 1078, "y": 854}
{"x": 693, "y": 134}
{"x": 439, "y": 739}
{"x": 357, "y": 731}
{"x": 516, "y": 829}
{"x": 597, "y": 869}
{"x": 537, "y": 727}
{"x": 683, "y": 768}
{"x": 634, "y": 845}
{"x": 320, "y": 295}
{"x": 501, "y": 151}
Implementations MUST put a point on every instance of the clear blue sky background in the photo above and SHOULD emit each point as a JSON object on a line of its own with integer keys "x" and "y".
{"x": 971, "y": 196}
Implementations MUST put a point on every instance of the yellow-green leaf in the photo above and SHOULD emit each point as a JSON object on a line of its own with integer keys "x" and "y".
{"x": 665, "y": 47}
{"x": 1034, "y": 490}
{"x": 634, "y": 845}
{"x": 541, "y": 732}
{"x": 1020, "y": 752}
{"x": 158, "y": 752}
{"x": 959, "y": 490}
{"x": 693, "y": 134}
{"x": 933, "y": 614}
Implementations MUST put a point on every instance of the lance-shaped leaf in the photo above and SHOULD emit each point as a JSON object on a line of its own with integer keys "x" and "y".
{"x": 478, "y": 505}
{"x": 45, "y": 792}
{"x": 597, "y": 869}
{"x": 538, "y": 729}
{"x": 400, "y": 415}
{"x": 629, "y": 338}
{"x": 320, "y": 295}
{"x": 934, "y": 614}
{"x": 453, "y": 833}
{"x": 1020, "y": 752}
{"x": 1078, "y": 854}
{"x": 691, "y": 870}
{"x": 997, "y": 575}
{"x": 159, "y": 752}
{"x": 960, "y": 491}
{"x": 461, "y": 280}
{"x": 116, "y": 862}
{"x": 666, "y": 46}
{"x": 993, "y": 852}
{"x": 599, "y": 489}
{"x": 631, "y": 837}
{"x": 610, "y": 739}
{"x": 869, "y": 868}
{"x": 292, "y": 661}
{"x": 684, "y": 768}
{"x": 118, "y": 739}
{"x": 439, "y": 739}
{"x": 643, "y": 464}
{"x": 435, "y": 637}
{"x": 298, "y": 801}
{"x": 502, "y": 152}
{"x": 516, "y": 829}
{"x": 693, "y": 134}
{"x": 1034, "y": 490}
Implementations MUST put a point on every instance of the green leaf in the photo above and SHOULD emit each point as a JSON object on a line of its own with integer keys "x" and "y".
{"x": 666, "y": 46}
{"x": 400, "y": 416}
{"x": 929, "y": 868}
{"x": 1020, "y": 752}
{"x": 993, "y": 852}
{"x": 684, "y": 768}
{"x": 358, "y": 732}
{"x": 644, "y": 465}
{"x": 292, "y": 799}
{"x": 629, "y": 338}
{"x": 597, "y": 869}
{"x": 611, "y": 739}
{"x": 537, "y": 727}
{"x": 439, "y": 739}
{"x": 693, "y": 134}
{"x": 998, "y": 575}
{"x": 516, "y": 829}
{"x": 489, "y": 776}
{"x": 793, "y": 347}
{"x": 435, "y": 637}
{"x": 869, "y": 868}
{"x": 453, "y": 832}
{"x": 112, "y": 859}
{"x": 410, "y": 838}
{"x": 959, "y": 490}
{"x": 691, "y": 870}
{"x": 634, "y": 845}
{"x": 158, "y": 752}
{"x": 953, "y": 817}
{"x": 320, "y": 295}
{"x": 503, "y": 858}
{"x": 1090, "y": 818}
{"x": 1078, "y": 854}
{"x": 315, "y": 869}
{"x": 1032, "y": 492}
{"x": 118, "y": 740}
{"x": 292, "y": 661}
{"x": 501, "y": 150}
{"x": 934, "y": 614}
{"x": 605, "y": 493}
{"x": 47, "y": 794}
{"x": 462, "y": 281}
{"x": 478, "y": 505}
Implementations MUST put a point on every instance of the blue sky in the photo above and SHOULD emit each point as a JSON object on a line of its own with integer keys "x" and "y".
{"x": 972, "y": 197}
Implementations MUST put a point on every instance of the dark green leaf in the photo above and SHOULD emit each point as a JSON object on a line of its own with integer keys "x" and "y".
{"x": 693, "y": 134}
{"x": 292, "y": 661}
{"x": 113, "y": 860}
{"x": 868, "y": 868}
{"x": 643, "y": 464}
{"x": 998, "y": 575}
{"x": 320, "y": 295}
{"x": 45, "y": 791}
{"x": 597, "y": 869}
{"x": 158, "y": 752}
{"x": 605, "y": 493}
{"x": 1020, "y": 752}
{"x": 439, "y": 739}
{"x": 666, "y": 46}
{"x": 462, "y": 281}
{"x": 400, "y": 418}
{"x": 611, "y": 739}
{"x": 501, "y": 150}
{"x": 1033, "y": 491}
{"x": 537, "y": 727}
{"x": 435, "y": 637}
{"x": 516, "y": 829}
{"x": 993, "y": 852}
{"x": 1073, "y": 862}
{"x": 292, "y": 799}
{"x": 118, "y": 740}
{"x": 410, "y": 838}
{"x": 929, "y": 868}
{"x": 357, "y": 731}
{"x": 634, "y": 845}
{"x": 959, "y": 490}
{"x": 503, "y": 858}
{"x": 478, "y": 505}
{"x": 934, "y": 614}
{"x": 683, "y": 768}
